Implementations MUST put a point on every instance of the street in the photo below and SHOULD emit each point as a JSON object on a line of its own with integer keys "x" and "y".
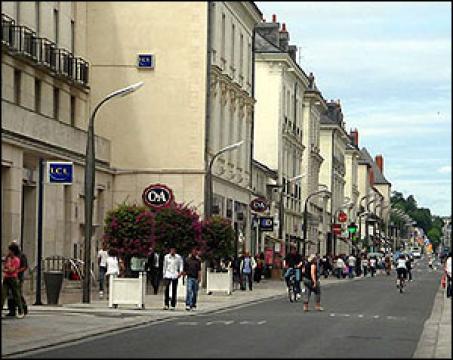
{"x": 367, "y": 318}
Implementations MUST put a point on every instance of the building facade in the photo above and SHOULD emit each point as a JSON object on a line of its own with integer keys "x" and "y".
{"x": 45, "y": 107}
{"x": 278, "y": 130}
{"x": 333, "y": 141}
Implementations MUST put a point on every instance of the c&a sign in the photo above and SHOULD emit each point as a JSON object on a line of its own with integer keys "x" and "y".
{"x": 158, "y": 196}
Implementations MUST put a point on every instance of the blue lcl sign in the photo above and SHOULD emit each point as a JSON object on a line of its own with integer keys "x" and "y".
{"x": 145, "y": 61}
{"x": 60, "y": 172}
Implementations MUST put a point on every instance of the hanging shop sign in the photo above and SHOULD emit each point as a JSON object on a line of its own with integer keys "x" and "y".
{"x": 259, "y": 205}
{"x": 60, "y": 172}
{"x": 266, "y": 223}
{"x": 158, "y": 196}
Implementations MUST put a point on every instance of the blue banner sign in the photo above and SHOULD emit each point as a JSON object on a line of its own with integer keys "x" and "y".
{"x": 266, "y": 223}
{"x": 60, "y": 172}
{"x": 145, "y": 61}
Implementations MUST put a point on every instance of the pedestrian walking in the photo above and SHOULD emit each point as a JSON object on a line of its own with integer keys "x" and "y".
{"x": 21, "y": 276}
{"x": 10, "y": 278}
{"x": 373, "y": 263}
{"x": 172, "y": 270}
{"x": 113, "y": 266}
{"x": 248, "y": 265}
{"x": 259, "y": 269}
{"x": 365, "y": 265}
{"x": 409, "y": 261}
{"x": 192, "y": 269}
{"x": 351, "y": 265}
{"x": 102, "y": 263}
{"x": 154, "y": 266}
{"x": 237, "y": 279}
{"x": 339, "y": 266}
{"x": 311, "y": 282}
{"x": 447, "y": 270}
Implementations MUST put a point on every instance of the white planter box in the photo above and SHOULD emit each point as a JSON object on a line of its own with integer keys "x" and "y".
{"x": 127, "y": 291}
{"x": 220, "y": 281}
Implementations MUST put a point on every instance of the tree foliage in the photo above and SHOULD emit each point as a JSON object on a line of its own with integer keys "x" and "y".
{"x": 219, "y": 237}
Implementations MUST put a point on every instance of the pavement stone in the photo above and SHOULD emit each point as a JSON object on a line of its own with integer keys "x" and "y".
{"x": 435, "y": 341}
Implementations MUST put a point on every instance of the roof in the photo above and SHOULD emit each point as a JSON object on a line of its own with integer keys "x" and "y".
{"x": 264, "y": 45}
{"x": 378, "y": 176}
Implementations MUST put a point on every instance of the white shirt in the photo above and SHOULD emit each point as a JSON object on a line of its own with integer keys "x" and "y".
{"x": 103, "y": 255}
{"x": 448, "y": 266}
{"x": 173, "y": 265}
{"x": 373, "y": 262}
{"x": 351, "y": 261}
{"x": 364, "y": 262}
{"x": 113, "y": 267}
{"x": 401, "y": 264}
{"x": 340, "y": 263}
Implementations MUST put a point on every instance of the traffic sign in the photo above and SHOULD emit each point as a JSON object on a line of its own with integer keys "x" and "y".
{"x": 336, "y": 229}
{"x": 342, "y": 217}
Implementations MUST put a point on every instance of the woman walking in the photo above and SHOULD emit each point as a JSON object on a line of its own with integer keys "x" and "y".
{"x": 311, "y": 282}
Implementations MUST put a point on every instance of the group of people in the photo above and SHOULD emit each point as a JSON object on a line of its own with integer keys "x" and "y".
{"x": 167, "y": 268}
{"x": 14, "y": 266}
{"x": 246, "y": 270}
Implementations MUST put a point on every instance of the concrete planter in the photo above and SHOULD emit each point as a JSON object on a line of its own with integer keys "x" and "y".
{"x": 220, "y": 281}
{"x": 127, "y": 291}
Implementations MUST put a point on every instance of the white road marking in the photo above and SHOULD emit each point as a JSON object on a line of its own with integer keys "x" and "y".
{"x": 261, "y": 322}
{"x": 332, "y": 315}
{"x": 360, "y": 316}
{"x": 219, "y": 322}
{"x": 376, "y": 316}
{"x": 191, "y": 323}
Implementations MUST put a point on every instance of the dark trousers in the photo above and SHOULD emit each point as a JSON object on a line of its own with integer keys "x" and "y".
{"x": 373, "y": 270}
{"x": 13, "y": 285}
{"x": 409, "y": 271}
{"x": 102, "y": 271}
{"x": 174, "y": 285}
{"x": 257, "y": 275}
{"x": 448, "y": 286}
{"x": 12, "y": 304}
{"x": 246, "y": 277}
{"x": 154, "y": 279}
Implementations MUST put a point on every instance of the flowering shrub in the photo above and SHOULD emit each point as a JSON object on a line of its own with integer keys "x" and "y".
{"x": 219, "y": 237}
{"x": 129, "y": 229}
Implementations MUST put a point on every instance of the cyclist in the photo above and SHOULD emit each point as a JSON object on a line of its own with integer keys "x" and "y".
{"x": 292, "y": 263}
{"x": 401, "y": 270}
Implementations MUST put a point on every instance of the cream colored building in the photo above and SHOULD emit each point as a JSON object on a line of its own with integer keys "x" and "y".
{"x": 196, "y": 100}
{"x": 278, "y": 130}
{"x": 45, "y": 107}
{"x": 313, "y": 106}
{"x": 333, "y": 141}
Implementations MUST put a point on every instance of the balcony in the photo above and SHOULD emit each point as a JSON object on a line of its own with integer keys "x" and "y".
{"x": 21, "y": 41}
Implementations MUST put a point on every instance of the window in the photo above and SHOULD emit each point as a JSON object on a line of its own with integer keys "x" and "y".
{"x": 56, "y": 103}
{"x": 223, "y": 35}
{"x": 37, "y": 15}
{"x": 37, "y": 95}
{"x": 73, "y": 110}
{"x": 17, "y": 86}
{"x": 72, "y": 36}
{"x": 55, "y": 25}
{"x": 233, "y": 30}
{"x": 241, "y": 56}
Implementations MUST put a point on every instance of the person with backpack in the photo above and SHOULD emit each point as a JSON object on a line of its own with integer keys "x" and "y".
{"x": 248, "y": 265}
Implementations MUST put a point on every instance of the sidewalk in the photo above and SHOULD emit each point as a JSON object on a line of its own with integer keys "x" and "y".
{"x": 49, "y": 325}
{"x": 435, "y": 341}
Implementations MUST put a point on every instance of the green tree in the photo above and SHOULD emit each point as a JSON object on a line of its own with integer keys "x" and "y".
{"x": 435, "y": 235}
{"x": 219, "y": 237}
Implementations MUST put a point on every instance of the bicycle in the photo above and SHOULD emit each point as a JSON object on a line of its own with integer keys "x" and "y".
{"x": 292, "y": 290}
{"x": 401, "y": 282}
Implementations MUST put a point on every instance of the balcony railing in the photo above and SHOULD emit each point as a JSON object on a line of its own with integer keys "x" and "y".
{"x": 7, "y": 30}
{"x": 23, "y": 41}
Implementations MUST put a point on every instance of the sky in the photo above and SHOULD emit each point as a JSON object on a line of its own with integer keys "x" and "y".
{"x": 389, "y": 63}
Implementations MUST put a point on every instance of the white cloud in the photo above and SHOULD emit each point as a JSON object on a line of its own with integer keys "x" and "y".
{"x": 445, "y": 169}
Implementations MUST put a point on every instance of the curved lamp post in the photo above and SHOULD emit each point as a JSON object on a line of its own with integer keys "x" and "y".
{"x": 318, "y": 192}
{"x": 89, "y": 186}
{"x": 216, "y": 155}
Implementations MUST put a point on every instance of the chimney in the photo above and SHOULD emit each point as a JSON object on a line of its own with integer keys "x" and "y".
{"x": 354, "y": 134}
{"x": 380, "y": 162}
{"x": 284, "y": 38}
{"x": 274, "y": 18}
{"x": 292, "y": 50}
{"x": 371, "y": 176}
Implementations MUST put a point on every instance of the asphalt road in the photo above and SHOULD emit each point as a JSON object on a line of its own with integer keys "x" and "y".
{"x": 368, "y": 318}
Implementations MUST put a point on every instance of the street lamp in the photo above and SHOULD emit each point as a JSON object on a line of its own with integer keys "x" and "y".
{"x": 89, "y": 185}
{"x": 318, "y": 192}
{"x": 231, "y": 147}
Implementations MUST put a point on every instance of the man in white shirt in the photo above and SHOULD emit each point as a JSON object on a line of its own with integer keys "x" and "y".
{"x": 448, "y": 273}
{"x": 102, "y": 261}
{"x": 172, "y": 269}
{"x": 351, "y": 264}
